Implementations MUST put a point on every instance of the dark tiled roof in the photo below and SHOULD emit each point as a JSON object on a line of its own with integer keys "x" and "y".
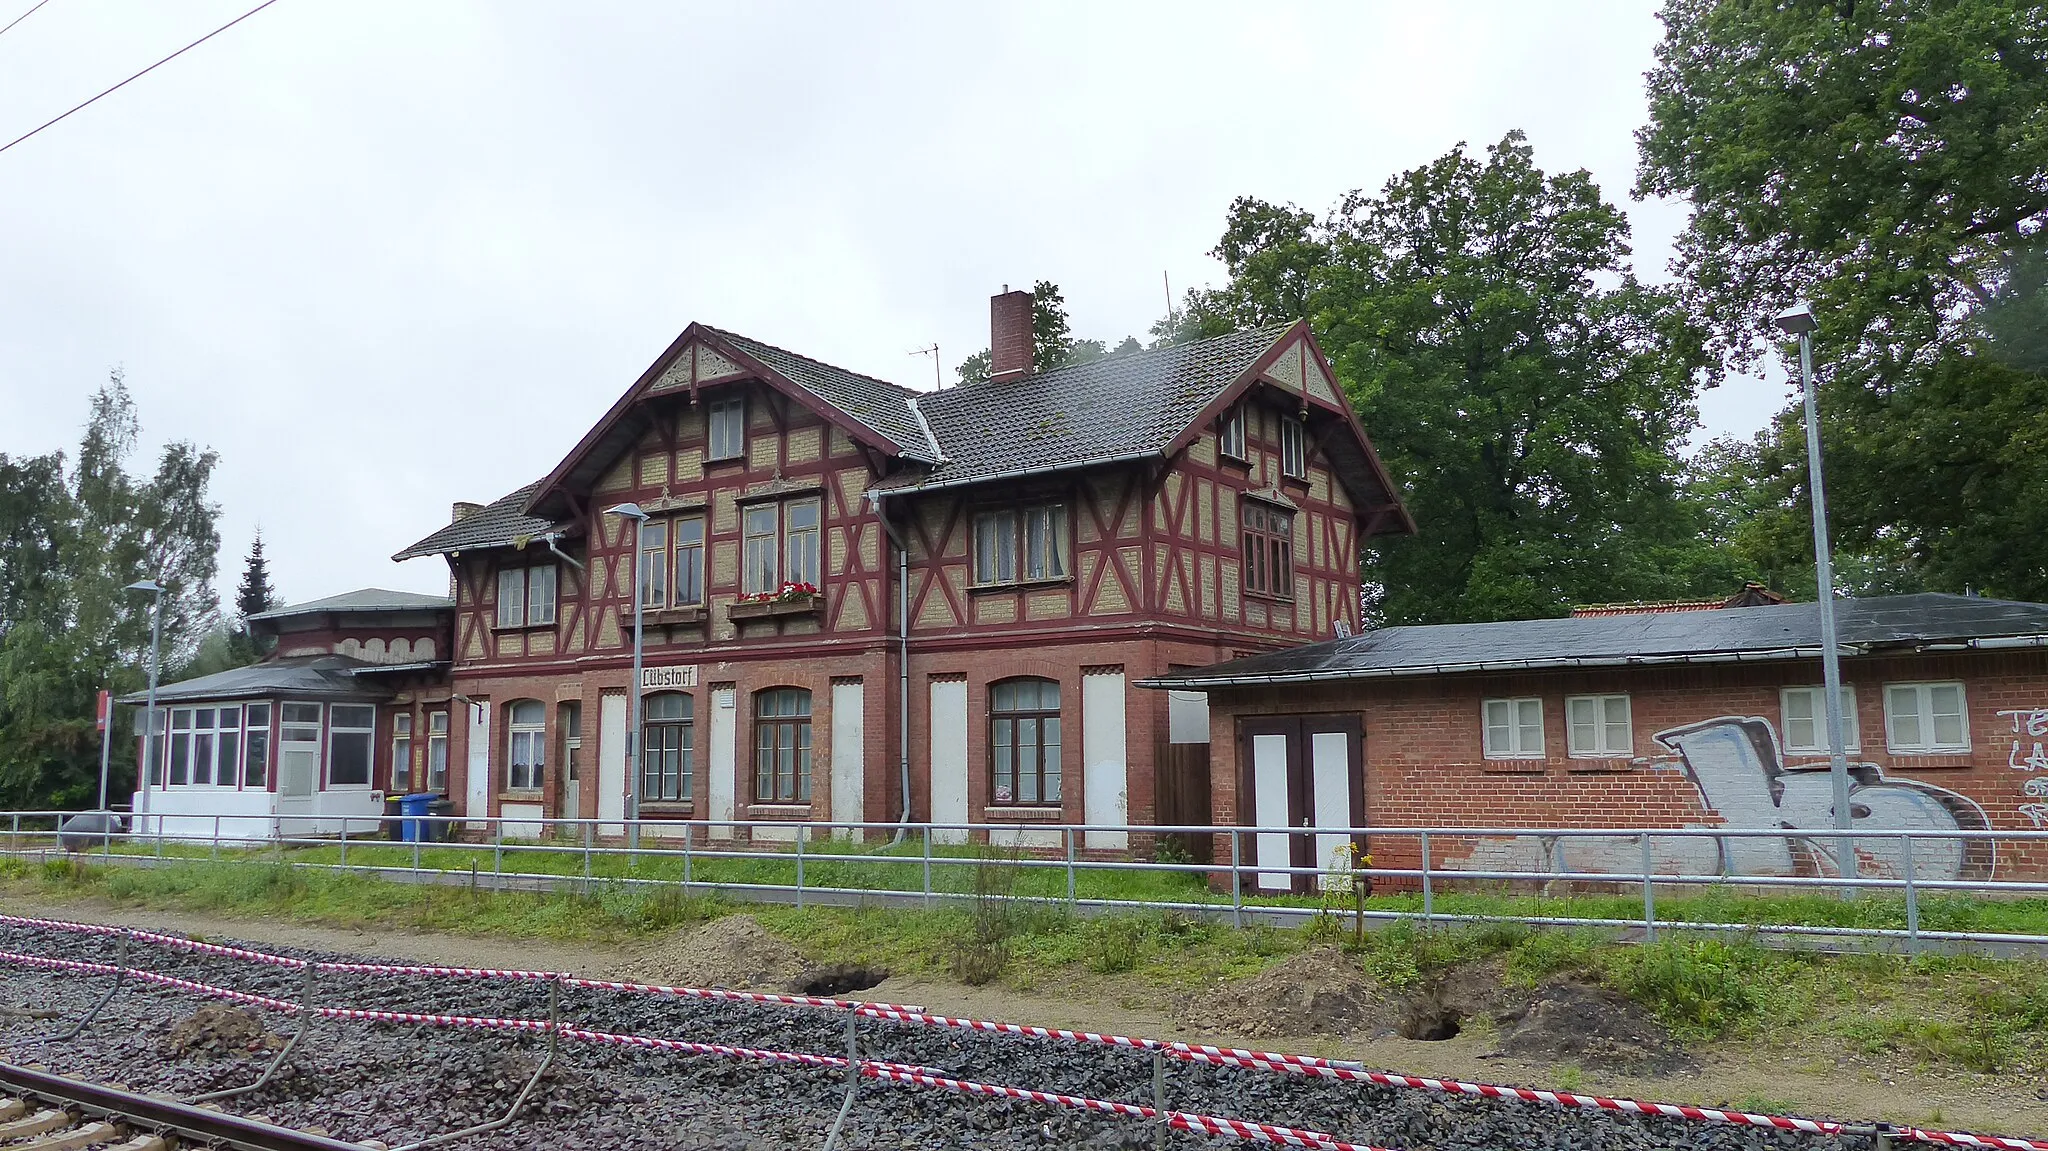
{"x": 1775, "y": 631}
{"x": 1113, "y": 408}
{"x": 369, "y": 599}
{"x": 880, "y": 406}
{"x": 303, "y": 677}
{"x": 500, "y": 524}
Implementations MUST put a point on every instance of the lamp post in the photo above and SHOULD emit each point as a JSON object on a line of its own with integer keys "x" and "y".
{"x": 1798, "y": 321}
{"x": 156, "y": 635}
{"x": 638, "y": 517}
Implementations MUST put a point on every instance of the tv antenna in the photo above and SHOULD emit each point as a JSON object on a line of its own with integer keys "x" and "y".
{"x": 938, "y": 382}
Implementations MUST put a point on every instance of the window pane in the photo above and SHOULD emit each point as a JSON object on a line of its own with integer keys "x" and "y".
{"x": 202, "y": 757}
{"x": 689, "y": 588}
{"x": 1902, "y": 712}
{"x": 1049, "y": 756}
{"x": 511, "y": 597}
{"x": 761, "y": 574}
{"x": 255, "y": 758}
{"x": 354, "y": 716}
{"x": 802, "y": 543}
{"x": 1945, "y": 703}
{"x": 1530, "y": 721}
{"x": 540, "y": 600}
{"x": 181, "y": 757}
{"x": 401, "y": 723}
{"x": 349, "y": 758}
{"x": 302, "y": 713}
{"x": 1056, "y": 542}
{"x": 654, "y": 564}
{"x": 525, "y": 712}
{"x": 1003, "y": 744}
{"x": 259, "y": 715}
{"x": 229, "y": 752}
{"x": 437, "y": 722}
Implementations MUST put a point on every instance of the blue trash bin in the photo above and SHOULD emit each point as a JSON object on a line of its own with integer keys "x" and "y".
{"x": 412, "y": 828}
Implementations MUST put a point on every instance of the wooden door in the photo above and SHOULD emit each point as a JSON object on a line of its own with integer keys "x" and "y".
{"x": 1301, "y": 771}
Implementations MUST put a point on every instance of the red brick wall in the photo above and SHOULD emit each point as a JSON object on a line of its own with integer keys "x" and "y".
{"x": 1424, "y": 761}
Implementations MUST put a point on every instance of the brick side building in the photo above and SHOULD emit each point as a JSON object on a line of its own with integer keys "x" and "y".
{"x": 861, "y": 602}
{"x": 1660, "y": 717}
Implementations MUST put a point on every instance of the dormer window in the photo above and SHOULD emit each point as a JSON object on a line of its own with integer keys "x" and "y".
{"x": 1230, "y": 439}
{"x": 728, "y": 439}
{"x": 1293, "y": 449}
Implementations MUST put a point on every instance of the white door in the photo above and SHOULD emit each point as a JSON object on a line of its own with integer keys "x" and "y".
{"x": 1270, "y": 808}
{"x": 949, "y": 758}
{"x": 298, "y": 767}
{"x": 849, "y": 754}
{"x": 611, "y": 763}
{"x": 718, "y": 785}
{"x": 1330, "y": 783}
{"x": 479, "y": 764}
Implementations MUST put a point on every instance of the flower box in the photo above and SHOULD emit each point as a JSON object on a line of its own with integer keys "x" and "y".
{"x": 663, "y": 616}
{"x": 805, "y": 604}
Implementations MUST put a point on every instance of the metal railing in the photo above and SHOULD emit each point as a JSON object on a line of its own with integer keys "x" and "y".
{"x": 1073, "y": 865}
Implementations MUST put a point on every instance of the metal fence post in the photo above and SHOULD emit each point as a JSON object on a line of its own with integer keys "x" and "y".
{"x": 800, "y": 837}
{"x": 419, "y": 832}
{"x": 687, "y": 858}
{"x": 1428, "y": 891}
{"x": 1912, "y": 897}
{"x": 215, "y": 853}
{"x": 498, "y": 846}
{"x": 586, "y": 856}
{"x": 927, "y": 867}
{"x": 1236, "y": 878}
{"x": 1069, "y": 833}
{"x": 1159, "y": 1098}
{"x": 344, "y": 845}
{"x": 1649, "y": 895}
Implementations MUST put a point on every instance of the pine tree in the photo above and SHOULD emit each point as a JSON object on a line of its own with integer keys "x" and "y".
{"x": 255, "y": 595}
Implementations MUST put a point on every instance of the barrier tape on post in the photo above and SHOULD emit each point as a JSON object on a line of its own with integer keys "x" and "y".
{"x": 1202, "y": 1053}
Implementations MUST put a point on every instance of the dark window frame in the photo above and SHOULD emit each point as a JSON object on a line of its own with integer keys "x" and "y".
{"x": 782, "y": 745}
{"x": 1007, "y": 726}
{"x": 662, "y": 735}
{"x": 1047, "y": 524}
{"x": 715, "y": 449}
{"x": 1268, "y": 552}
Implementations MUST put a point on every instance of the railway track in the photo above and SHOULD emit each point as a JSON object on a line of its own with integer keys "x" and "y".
{"x": 40, "y": 1111}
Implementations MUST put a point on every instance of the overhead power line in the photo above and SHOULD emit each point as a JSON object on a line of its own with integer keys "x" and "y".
{"x": 138, "y": 75}
{"x": 23, "y": 16}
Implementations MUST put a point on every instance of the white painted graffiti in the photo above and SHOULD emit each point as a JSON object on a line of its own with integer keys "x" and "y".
{"x": 2037, "y": 787}
{"x": 2036, "y": 812}
{"x": 2032, "y": 723}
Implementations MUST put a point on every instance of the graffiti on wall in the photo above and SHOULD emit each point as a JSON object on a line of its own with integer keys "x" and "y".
{"x": 1740, "y": 771}
{"x": 2028, "y": 724}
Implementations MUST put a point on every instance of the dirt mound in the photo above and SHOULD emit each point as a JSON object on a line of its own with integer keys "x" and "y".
{"x": 1319, "y": 992}
{"x": 735, "y": 952}
{"x": 214, "y": 1030}
{"x": 1570, "y": 1021}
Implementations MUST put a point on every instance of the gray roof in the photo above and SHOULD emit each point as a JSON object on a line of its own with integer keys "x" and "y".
{"x": 1115, "y": 408}
{"x": 501, "y": 523}
{"x": 369, "y": 599}
{"x": 297, "y": 677}
{"x": 1927, "y": 621}
{"x": 878, "y": 405}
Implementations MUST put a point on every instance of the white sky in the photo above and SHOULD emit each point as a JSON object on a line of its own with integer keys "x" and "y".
{"x": 383, "y": 256}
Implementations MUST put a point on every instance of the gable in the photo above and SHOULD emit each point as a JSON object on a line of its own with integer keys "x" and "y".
{"x": 1300, "y": 371}
{"x": 693, "y": 367}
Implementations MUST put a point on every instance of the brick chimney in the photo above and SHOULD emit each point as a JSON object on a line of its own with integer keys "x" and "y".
{"x": 1009, "y": 339}
{"x": 462, "y": 510}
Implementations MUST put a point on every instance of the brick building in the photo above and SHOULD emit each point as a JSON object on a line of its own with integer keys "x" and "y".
{"x": 861, "y": 602}
{"x": 1646, "y": 716}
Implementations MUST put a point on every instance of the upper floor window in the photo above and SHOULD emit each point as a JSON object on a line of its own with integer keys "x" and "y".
{"x": 1230, "y": 439}
{"x": 401, "y": 752}
{"x": 672, "y": 562}
{"x": 668, "y": 746}
{"x": 782, "y": 745}
{"x": 1017, "y": 545}
{"x": 654, "y": 563}
{"x": 526, "y": 596}
{"x": 1514, "y": 728}
{"x": 1804, "y": 710}
{"x": 1024, "y": 742}
{"x": 526, "y": 748}
{"x": 780, "y": 545}
{"x": 728, "y": 437}
{"x": 1598, "y": 726}
{"x": 1919, "y": 718}
{"x": 1268, "y": 550}
{"x": 350, "y": 729}
{"x": 1293, "y": 449}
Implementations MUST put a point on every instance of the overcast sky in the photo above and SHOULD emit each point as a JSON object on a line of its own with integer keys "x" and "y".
{"x": 384, "y": 256}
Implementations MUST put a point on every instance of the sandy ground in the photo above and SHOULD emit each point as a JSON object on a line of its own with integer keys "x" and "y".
{"x": 1849, "y": 1088}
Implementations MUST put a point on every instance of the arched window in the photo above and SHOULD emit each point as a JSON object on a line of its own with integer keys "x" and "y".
{"x": 1024, "y": 742}
{"x": 668, "y": 746}
{"x": 782, "y": 745}
{"x": 527, "y": 745}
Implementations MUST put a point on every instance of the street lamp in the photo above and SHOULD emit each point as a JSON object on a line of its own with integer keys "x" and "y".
{"x": 633, "y": 512}
{"x": 156, "y": 635}
{"x": 1798, "y": 320}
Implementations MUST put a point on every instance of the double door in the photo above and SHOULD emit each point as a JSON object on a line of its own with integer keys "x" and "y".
{"x": 1302, "y": 771}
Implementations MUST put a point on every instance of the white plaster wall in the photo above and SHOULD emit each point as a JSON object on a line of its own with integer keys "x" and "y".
{"x": 479, "y": 763}
{"x": 1025, "y": 837}
{"x": 849, "y": 753}
{"x": 718, "y": 787}
{"x": 522, "y": 820}
{"x": 187, "y": 813}
{"x": 1187, "y": 717}
{"x": 949, "y": 758}
{"x": 1105, "y": 775}
{"x": 611, "y": 764}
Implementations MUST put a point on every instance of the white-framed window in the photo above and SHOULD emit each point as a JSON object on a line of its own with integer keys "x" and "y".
{"x": 1230, "y": 438}
{"x": 526, "y": 747}
{"x": 1598, "y": 726}
{"x": 1804, "y": 712}
{"x": 654, "y": 563}
{"x": 780, "y": 544}
{"x": 672, "y": 562}
{"x": 437, "y": 750}
{"x": 1919, "y": 718}
{"x": 689, "y": 544}
{"x": 256, "y": 748}
{"x": 1514, "y": 728}
{"x": 153, "y": 750}
{"x": 351, "y": 731}
{"x": 1013, "y": 545}
{"x": 728, "y": 433}
{"x": 526, "y": 596}
{"x": 401, "y": 752}
{"x": 206, "y": 746}
{"x": 1293, "y": 449}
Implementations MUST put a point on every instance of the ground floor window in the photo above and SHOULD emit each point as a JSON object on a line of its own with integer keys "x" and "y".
{"x": 437, "y": 751}
{"x": 668, "y": 746}
{"x": 782, "y": 745}
{"x": 401, "y": 752}
{"x": 526, "y": 745}
{"x": 351, "y": 729}
{"x": 206, "y": 746}
{"x": 1024, "y": 741}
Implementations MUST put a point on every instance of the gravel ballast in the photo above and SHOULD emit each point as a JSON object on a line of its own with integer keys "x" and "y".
{"x": 395, "y": 1083}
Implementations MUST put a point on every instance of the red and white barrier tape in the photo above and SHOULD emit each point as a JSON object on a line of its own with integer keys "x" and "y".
{"x": 1200, "y": 1053}
{"x": 140, "y": 975}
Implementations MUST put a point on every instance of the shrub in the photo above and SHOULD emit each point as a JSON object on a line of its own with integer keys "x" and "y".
{"x": 1115, "y": 944}
{"x": 981, "y": 953}
{"x": 1697, "y": 988}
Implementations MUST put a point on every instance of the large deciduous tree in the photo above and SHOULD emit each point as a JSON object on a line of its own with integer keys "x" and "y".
{"x": 1510, "y": 368}
{"x": 70, "y": 541}
{"x": 1887, "y": 159}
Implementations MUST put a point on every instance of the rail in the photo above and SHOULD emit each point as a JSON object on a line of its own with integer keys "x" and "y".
{"x": 1279, "y": 875}
{"x": 203, "y": 1126}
